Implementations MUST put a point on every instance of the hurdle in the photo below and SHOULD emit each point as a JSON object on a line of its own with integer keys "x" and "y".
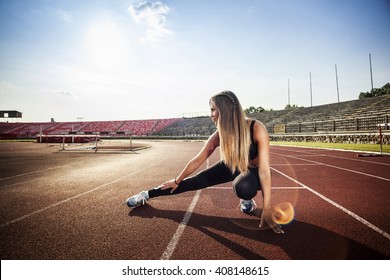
{"x": 94, "y": 142}
{"x": 130, "y": 147}
{"x": 381, "y": 126}
{"x": 68, "y": 139}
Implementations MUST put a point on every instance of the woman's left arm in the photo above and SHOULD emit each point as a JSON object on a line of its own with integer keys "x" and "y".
{"x": 260, "y": 135}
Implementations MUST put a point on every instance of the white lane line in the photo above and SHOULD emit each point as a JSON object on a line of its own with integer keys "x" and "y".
{"x": 294, "y": 164}
{"x": 287, "y": 188}
{"x": 337, "y": 167}
{"x": 179, "y": 231}
{"x": 69, "y": 199}
{"x": 39, "y": 171}
{"x": 345, "y": 158}
{"x": 273, "y": 188}
{"x": 19, "y": 183}
{"x": 29, "y": 173}
{"x": 34, "y": 172}
{"x": 305, "y": 154}
{"x": 355, "y": 216}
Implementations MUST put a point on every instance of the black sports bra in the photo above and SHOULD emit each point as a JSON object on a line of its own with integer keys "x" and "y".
{"x": 253, "y": 152}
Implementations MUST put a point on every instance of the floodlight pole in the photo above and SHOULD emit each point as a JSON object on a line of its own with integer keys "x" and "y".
{"x": 372, "y": 82}
{"x": 288, "y": 91}
{"x": 311, "y": 92}
{"x": 337, "y": 84}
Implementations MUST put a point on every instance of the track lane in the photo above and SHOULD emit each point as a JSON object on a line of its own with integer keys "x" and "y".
{"x": 98, "y": 226}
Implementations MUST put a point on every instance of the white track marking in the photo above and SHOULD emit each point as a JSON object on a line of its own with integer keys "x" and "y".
{"x": 29, "y": 173}
{"x": 69, "y": 199}
{"x": 176, "y": 237}
{"x": 34, "y": 172}
{"x": 19, "y": 183}
{"x": 337, "y": 167}
{"x": 294, "y": 164}
{"x": 307, "y": 154}
{"x": 273, "y": 188}
{"x": 359, "y": 160}
{"x": 179, "y": 231}
{"x": 355, "y": 216}
{"x": 287, "y": 188}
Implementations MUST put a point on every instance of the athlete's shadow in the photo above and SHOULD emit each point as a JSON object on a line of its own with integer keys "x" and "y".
{"x": 301, "y": 241}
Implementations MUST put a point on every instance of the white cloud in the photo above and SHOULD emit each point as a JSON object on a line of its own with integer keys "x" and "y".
{"x": 65, "y": 16}
{"x": 65, "y": 93}
{"x": 154, "y": 15}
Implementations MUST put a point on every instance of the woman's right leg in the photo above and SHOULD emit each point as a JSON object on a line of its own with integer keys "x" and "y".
{"x": 216, "y": 174}
{"x": 247, "y": 184}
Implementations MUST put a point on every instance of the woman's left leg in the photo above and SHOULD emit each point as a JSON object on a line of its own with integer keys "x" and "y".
{"x": 216, "y": 174}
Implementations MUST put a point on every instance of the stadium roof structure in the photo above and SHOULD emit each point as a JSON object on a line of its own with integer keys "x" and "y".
{"x": 10, "y": 114}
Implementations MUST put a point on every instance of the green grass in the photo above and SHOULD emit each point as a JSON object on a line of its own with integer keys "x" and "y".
{"x": 342, "y": 146}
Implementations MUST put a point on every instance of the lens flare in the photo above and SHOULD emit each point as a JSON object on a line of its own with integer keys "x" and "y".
{"x": 283, "y": 213}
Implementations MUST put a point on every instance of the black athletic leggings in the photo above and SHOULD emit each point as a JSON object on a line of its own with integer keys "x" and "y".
{"x": 245, "y": 185}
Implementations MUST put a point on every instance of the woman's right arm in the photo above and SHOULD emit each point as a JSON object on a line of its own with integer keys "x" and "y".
{"x": 211, "y": 144}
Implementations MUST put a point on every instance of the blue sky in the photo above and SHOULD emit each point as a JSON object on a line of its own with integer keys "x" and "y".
{"x": 123, "y": 59}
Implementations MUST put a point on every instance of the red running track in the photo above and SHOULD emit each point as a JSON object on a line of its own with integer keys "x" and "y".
{"x": 70, "y": 205}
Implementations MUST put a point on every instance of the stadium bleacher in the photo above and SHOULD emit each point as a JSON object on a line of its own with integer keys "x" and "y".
{"x": 352, "y": 115}
{"x": 134, "y": 127}
{"x": 355, "y": 115}
{"x": 66, "y": 128}
{"x": 102, "y": 126}
{"x": 362, "y": 108}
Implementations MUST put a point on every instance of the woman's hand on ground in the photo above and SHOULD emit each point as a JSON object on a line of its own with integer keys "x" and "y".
{"x": 267, "y": 219}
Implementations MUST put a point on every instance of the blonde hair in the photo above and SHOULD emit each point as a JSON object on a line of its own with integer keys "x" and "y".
{"x": 233, "y": 131}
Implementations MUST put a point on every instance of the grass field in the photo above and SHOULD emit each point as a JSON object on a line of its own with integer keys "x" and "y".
{"x": 341, "y": 146}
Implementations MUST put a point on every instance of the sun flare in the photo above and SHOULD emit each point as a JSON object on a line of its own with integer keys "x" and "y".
{"x": 105, "y": 44}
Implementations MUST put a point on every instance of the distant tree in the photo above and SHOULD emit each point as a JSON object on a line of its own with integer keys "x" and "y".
{"x": 376, "y": 92}
{"x": 288, "y": 106}
{"x": 252, "y": 110}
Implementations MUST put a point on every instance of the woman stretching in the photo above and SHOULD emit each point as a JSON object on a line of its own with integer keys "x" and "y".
{"x": 244, "y": 149}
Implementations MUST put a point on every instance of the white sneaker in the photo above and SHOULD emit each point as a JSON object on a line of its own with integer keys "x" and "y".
{"x": 138, "y": 199}
{"x": 247, "y": 206}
